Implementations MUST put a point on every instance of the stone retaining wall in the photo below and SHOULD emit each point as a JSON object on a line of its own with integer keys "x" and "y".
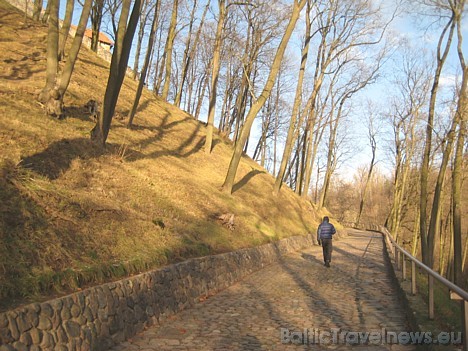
{"x": 99, "y": 317}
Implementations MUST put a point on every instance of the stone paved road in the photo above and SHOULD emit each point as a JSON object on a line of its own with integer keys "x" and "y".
{"x": 356, "y": 295}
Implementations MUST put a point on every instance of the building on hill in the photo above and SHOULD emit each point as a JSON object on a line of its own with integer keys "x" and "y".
{"x": 105, "y": 44}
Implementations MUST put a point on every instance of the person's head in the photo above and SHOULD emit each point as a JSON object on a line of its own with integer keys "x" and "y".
{"x": 326, "y": 219}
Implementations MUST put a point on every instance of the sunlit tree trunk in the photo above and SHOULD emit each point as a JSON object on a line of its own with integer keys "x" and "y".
{"x": 158, "y": 67}
{"x": 427, "y": 238}
{"x": 201, "y": 95}
{"x": 331, "y": 156}
{"x": 117, "y": 70}
{"x": 190, "y": 50}
{"x": 144, "y": 71}
{"x": 37, "y": 10}
{"x": 293, "y": 126}
{"x": 373, "y": 144}
{"x": 96, "y": 19}
{"x": 52, "y": 50}
{"x": 215, "y": 75}
{"x": 65, "y": 28}
{"x": 168, "y": 50}
{"x": 415, "y": 241}
{"x": 145, "y": 10}
{"x": 461, "y": 113}
{"x": 444, "y": 236}
{"x": 67, "y": 72}
{"x": 45, "y": 16}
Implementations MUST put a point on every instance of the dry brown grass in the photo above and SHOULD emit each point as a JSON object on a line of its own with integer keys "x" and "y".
{"x": 72, "y": 215}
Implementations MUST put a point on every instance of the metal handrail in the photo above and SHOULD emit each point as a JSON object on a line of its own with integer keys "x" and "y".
{"x": 460, "y": 293}
{"x": 428, "y": 270}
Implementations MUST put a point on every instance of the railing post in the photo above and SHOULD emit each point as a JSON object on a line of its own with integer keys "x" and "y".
{"x": 465, "y": 324}
{"x": 403, "y": 268}
{"x": 413, "y": 278}
{"x": 430, "y": 286}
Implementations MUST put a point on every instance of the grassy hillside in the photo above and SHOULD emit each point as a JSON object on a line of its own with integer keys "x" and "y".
{"x": 72, "y": 215}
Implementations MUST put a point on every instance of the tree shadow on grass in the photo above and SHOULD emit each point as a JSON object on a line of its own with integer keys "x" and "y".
{"x": 192, "y": 144}
{"x": 246, "y": 179}
{"x": 143, "y": 105}
{"x": 53, "y": 161}
{"x": 95, "y": 63}
{"x": 20, "y": 71}
{"x": 58, "y": 156}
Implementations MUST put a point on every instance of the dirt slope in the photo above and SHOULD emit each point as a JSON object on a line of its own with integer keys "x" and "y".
{"x": 73, "y": 215}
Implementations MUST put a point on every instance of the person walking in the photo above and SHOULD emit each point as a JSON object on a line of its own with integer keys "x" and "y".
{"x": 325, "y": 233}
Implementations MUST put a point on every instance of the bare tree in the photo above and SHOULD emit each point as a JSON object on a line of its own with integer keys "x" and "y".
{"x": 119, "y": 62}
{"x": 45, "y": 15}
{"x": 37, "y": 10}
{"x": 65, "y": 28}
{"x": 343, "y": 27}
{"x": 461, "y": 116}
{"x": 52, "y": 50}
{"x": 372, "y": 138}
{"x": 97, "y": 12}
{"x": 168, "y": 50}
{"x": 293, "y": 127}
{"x": 67, "y": 71}
{"x": 260, "y": 101}
{"x": 144, "y": 71}
{"x": 412, "y": 86}
{"x": 215, "y": 74}
{"x": 147, "y": 9}
{"x": 427, "y": 236}
{"x": 191, "y": 46}
{"x": 57, "y": 84}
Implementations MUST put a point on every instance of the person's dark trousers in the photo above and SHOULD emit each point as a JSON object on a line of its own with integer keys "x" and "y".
{"x": 327, "y": 247}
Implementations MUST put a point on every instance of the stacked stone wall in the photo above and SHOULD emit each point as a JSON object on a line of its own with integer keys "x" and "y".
{"x": 102, "y": 316}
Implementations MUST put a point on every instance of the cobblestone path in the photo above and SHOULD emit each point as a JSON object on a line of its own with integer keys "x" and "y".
{"x": 293, "y": 301}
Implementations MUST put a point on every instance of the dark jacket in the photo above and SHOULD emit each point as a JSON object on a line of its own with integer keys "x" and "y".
{"x": 325, "y": 231}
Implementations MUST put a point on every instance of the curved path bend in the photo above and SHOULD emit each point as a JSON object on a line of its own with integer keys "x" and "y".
{"x": 291, "y": 304}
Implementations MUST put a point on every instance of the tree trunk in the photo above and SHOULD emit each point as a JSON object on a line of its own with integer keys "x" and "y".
{"x": 144, "y": 71}
{"x": 215, "y": 76}
{"x": 293, "y": 127}
{"x": 37, "y": 10}
{"x": 96, "y": 19}
{"x": 136, "y": 59}
{"x": 465, "y": 251}
{"x": 369, "y": 176}
{"x": 414, "y": 246}
{"x": 75, "y": 48}
{"x": 201, "y": 96}
{"x": 329, "y": 170}
{"x": 258, "y": 104}
{"x": 45, "y": 16}
{"x": 117, "y": 70}
{"x": 434, "y": 227}
{"x": 457, "y": 192}
{"x": 52, "y": 49}
{"x": 457, "y": 178}
{"x": 424, "y": 235}
{"x": 309, "y": 156}
{"x": 158, "y": 67}
{"x": 169, "y": 49}
{"x": 189, "y": 52}
{"x": 65, "y": 29}
{"x": 276, "y": 127}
